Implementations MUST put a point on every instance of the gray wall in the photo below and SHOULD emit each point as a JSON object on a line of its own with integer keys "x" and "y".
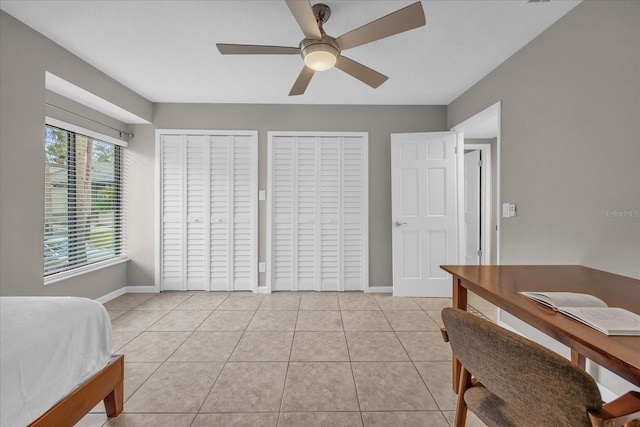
{"x": 378, "y": 121}
{"x": 25, "y": 56}
{"x": 569, "y": 142}
{"x": 570, "y": 151}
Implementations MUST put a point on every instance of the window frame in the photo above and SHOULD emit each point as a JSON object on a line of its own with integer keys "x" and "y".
{"x": 119, "y": 198}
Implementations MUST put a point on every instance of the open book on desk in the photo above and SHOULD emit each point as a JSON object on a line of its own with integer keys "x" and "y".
{"x": 591, "y": 311}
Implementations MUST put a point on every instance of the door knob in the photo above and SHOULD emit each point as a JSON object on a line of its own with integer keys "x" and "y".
{"x": 398, "y": 224}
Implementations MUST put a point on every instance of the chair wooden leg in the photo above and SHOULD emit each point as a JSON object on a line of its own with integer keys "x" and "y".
{"x": 461, "y": 407}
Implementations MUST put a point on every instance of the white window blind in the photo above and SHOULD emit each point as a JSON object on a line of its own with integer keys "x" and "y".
{"x": 83, "y": 218}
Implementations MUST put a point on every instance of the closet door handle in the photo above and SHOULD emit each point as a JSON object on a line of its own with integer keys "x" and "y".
{"x": 398, "y": 224}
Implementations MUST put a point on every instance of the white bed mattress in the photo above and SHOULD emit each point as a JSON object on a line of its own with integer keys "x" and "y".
{"x": 48, "y": 347}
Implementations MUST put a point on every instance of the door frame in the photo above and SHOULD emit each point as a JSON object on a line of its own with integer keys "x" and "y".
{"x": 485, "y": 199}
{"x": 493, "y": 111}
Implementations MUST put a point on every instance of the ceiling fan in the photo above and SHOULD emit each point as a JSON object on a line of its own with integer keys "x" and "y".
{"x": 321, "y": 52}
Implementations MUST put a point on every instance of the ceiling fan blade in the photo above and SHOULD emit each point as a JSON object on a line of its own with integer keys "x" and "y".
{"x": 250, "y": 49}
{"x": 302, "y": 81}
{"x": 360, "y": 72}
{"x": 301, "y": 10}
{"x": 399, "y": 21}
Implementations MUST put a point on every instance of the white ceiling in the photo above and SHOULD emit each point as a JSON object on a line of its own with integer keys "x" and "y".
{"x": 165, "y": 50}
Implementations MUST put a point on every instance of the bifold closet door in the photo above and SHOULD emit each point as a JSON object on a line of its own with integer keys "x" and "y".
{"x": 208, "y": 212}
{"x": 318, "y": 232}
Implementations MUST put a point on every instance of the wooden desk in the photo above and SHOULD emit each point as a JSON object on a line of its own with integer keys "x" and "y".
{"x": 500, "y": 286}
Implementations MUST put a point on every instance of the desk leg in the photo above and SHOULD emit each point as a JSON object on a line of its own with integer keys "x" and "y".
{"x": 459, "y": 301}
{"x": 578, "y": 359}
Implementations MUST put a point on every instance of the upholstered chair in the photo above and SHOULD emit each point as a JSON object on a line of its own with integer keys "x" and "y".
{"x": 510, "y": 381}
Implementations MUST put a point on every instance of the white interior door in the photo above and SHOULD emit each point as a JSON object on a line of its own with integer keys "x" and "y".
{"x": 472, "y": 173}
{"x": 424, "y": 212}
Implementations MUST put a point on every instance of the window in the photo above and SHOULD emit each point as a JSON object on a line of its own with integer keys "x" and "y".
{"x": 83, "y": 201}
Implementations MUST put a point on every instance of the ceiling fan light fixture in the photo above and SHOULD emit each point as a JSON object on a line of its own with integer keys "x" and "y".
{"x": 320, "y": 56}
{"x": 321, "y": 51}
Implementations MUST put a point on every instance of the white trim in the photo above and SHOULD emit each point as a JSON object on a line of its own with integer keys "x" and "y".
{"x": 112, "y": 295}
{"x": 205, "y": 132}
{"x": 255, "y": 185}
{"x": 498, "y": 166}
{"x": 462, "y": 237}
{"x": 152, "y": 289}
{"x": 157, "y": 276}
{"x": 126, "y": 290}
{"x": 485, "y": 177}
{"x": 493, "y": 110}
{"x": 84, "y": 131}
{"x": 79, "y": 271}
{"x": 263, "y": 290}
{"x": 69, "y": 90}
{"x": 268, "y": 269}
{"x": 365, "y": 222}
{"x": 379, "y": 290}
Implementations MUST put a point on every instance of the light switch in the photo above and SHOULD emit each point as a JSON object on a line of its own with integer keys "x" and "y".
{"x": 262, "y": 195}
{"x": 262, "y": 267}
{"x": 509, "y": 210}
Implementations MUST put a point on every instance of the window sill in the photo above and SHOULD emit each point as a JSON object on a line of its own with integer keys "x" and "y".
{"x": 59, "y": 277}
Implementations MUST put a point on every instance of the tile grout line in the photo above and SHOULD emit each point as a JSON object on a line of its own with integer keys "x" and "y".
{"x": 353, "y": 376}
{"x": 286, "y": 375}
{"x": 217, "y": 376}
{"x": 160, "y": 363}
{"x": 421, "y": 377}
{"x": 228, "y": 358}
{"x": 411, "y": 359}
{"x": 245, "y": 329}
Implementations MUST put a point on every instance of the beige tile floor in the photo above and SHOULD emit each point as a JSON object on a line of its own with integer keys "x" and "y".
{"x": 285, "y": 359}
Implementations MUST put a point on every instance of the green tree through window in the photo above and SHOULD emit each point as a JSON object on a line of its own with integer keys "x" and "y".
{"x": 82, "y": 200}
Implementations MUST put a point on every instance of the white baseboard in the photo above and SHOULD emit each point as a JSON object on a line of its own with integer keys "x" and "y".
{"x": 142, "y": 290}
{"x": 112, "y": 295}
{"x": 379, "y": 290}
{"x": 127, "y": 290}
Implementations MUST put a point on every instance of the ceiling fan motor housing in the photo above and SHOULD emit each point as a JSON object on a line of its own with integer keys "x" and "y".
{"x": 320, "y": 54}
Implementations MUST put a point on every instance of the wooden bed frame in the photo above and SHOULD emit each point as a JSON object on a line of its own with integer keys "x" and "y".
{"x": 107, "y": 385}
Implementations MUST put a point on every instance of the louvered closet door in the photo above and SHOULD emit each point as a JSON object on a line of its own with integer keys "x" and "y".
{"x": 196, "y": 214}
{"x": 329, "y": 195}
{"x": 354, "y": 206}
{"x": 283, "y": 268}
{"x": 233, "y": 161}
{"x": 209, "y": 212}
{"x": 172, "y": 212}
{"x": 304, "y": 212}
{"x": 220, "y": 208}
{"x": 318, "y": 212}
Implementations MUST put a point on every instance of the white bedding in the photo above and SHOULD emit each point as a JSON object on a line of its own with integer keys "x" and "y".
{"x": 48, "y": 347}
